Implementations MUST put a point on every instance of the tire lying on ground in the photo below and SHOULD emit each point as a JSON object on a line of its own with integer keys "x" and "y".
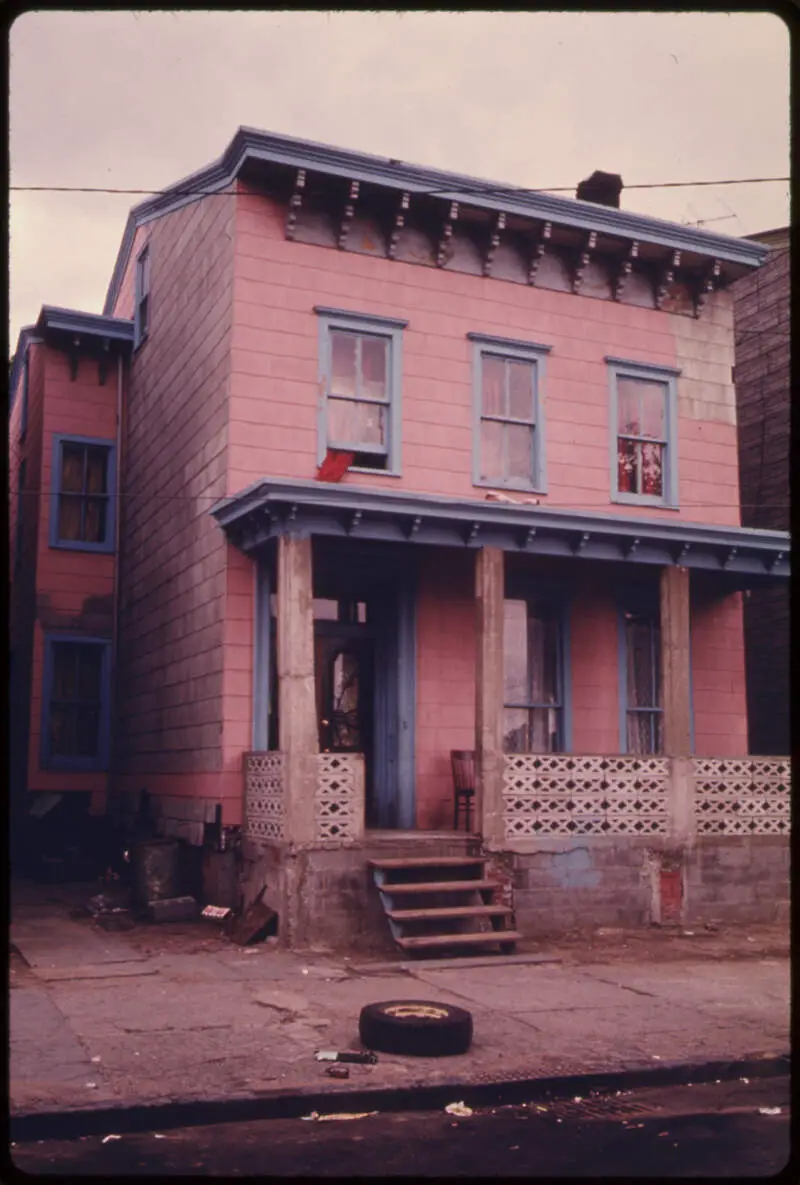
{"x": 422, "y": 1028}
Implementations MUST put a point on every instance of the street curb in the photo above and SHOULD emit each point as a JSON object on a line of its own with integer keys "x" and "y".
{"x": 276, "y": 1104}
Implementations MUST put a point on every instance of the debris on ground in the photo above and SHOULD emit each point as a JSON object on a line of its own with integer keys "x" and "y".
{"x": 172, "y": 909}
{"x": 254, "y": 924}
{"x": 337, "y": 1071}
{"x": 216, "y": 913}
{"x": 769, "y": 1110}
{"x": 339, "y": 1115}
{"x": 105, "y": 1139}
{"x": 460, "y": 1109}
{"x": 362, "y": 1058}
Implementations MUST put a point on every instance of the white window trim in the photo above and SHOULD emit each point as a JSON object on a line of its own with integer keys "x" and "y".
{"x": 668, "y": 375}
{"x": 390, "y": 328}
{"x": 532, "y": 352}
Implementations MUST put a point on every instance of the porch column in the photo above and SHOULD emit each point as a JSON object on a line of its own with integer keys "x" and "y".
{"x": 676, "y": 699}
{"x": 489, "y": 594}
{"x": 298, "y": 736}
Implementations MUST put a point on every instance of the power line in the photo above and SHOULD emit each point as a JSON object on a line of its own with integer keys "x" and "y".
{"x": 191, "y": 192}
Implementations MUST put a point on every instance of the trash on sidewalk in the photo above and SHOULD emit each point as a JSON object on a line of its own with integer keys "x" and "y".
{"x": 216, "y": 913}
{"x": 337, "y": 1071}
{"x": 92, "y": 1085}
{"x": 172, "y": 909}
{"x": 459, "y": 1109}
{"x": 769, "y": 1110}
{"x": 366, "y": 1058}
{"x": 255, "y": 923}
{"x": 340, "y": 1115}
{"x": 96, "y": 1059}
{"x": 105, "y": 1139}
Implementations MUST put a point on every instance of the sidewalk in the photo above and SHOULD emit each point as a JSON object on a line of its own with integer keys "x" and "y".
{"x": 178, "y": 1013}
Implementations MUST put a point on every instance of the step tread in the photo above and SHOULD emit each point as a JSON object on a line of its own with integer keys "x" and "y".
{"x": 452, "y": 911}
{"x": 438, "y": 886}
{"x": 490, "y": 938}
{"x": 425, "y": 861}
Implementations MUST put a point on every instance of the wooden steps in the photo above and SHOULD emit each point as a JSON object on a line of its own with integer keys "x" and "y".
{"x": 452, "y": 903}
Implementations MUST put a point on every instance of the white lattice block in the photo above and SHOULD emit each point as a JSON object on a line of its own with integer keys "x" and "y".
{"x": 264, "y": 796}
{"x": 738, "y": 796}
{"x": 339, "y": 798}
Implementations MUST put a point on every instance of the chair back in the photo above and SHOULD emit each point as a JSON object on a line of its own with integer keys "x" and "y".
{"x": 463, "y": 762}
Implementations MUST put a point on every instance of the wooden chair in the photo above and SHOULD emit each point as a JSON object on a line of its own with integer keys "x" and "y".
{"x": 463, "y": 763}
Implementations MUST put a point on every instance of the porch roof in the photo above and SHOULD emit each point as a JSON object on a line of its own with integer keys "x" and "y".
{"x": 276, "y": 506}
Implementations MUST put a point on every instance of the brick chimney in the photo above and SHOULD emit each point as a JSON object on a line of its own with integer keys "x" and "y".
{"x": 602, "y": 188}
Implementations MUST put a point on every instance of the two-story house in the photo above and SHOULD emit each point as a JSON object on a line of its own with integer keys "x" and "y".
{"x": 398, "y": 463}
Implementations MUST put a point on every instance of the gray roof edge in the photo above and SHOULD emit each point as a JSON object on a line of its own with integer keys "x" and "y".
{"x": 26, "y": 334}
{"x": 259, "y": 492}
{"x": 250, "y": 143}
{"x": 94, "y": 324}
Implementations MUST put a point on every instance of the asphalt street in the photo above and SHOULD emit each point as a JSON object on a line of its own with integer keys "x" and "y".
{"x": 732, "y": 1129}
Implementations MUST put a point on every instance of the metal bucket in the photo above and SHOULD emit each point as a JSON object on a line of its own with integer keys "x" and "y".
{"x": 156, "y": 870}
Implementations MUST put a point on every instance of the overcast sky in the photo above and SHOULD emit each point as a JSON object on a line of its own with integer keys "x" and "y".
{"x": 138, "y": 100}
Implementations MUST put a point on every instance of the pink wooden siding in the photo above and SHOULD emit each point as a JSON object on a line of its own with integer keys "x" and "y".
{"x": 718, "y": 675}
{"x": 174, "y": 558}
{"x": 274, "y": 394}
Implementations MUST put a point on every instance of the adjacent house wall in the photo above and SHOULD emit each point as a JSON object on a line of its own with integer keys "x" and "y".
{"x": 761, "y": 306}
{"x": 174, "y": 559}
{"x": 720, "y": 710}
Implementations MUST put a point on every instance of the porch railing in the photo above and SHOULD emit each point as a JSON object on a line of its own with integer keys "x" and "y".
{"x": 747, "y": 796}
{"x": 264, "y": 804}
{"x": 560, "y": 794}
{"x": 339, "y": 798}
{"x": 546, "y": 794}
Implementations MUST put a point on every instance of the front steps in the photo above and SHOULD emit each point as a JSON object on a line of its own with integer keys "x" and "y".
{"x": 435, "y": 903}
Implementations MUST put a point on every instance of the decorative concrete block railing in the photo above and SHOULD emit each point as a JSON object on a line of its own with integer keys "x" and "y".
{"x": 549, "y": 794}
{"x": 339, "y": 798}
{"x": 742, "y": 796}
{"x": 264, "y": 811}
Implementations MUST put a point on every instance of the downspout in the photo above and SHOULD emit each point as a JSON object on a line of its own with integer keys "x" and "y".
{"x": 111, "y": 799}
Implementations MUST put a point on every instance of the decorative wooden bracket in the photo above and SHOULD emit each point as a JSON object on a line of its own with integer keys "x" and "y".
{"x": 666, "y": 277}
{"x": 349, "y": 211}
{"x": 579, "y": 544}
{"x": 625, "y": 269}
{"x": 706, "y": 286}
{"x": 398, "y": 224}
{"x": 776, "y": 559}
{"x": 539, "y": 248}
{"x": 582, "y": 261}
{"x": 632, "y": 547}
{"x": 73, "y": 354}
{"x": 413, "y": 527}
{"x": 355, "y": 519}
{"x": 443, "y": 250}
{"x": 679, "y": 554}
{"x": 730, "y": 555}
{"x": 472, "y": 534}
{"x": 103, "y": 363}
{"x": 295, "y": 202}
{"x": 494, "y": 242}
{"x": 527, "y": 536}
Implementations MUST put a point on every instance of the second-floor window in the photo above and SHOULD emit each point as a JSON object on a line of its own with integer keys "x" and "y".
{"x": 360, "y": 370}
{"x": 141, "y": 316}
{"x": 643, "y": 425}
{"x": 82, "y": 494}
{"x": 509, "y": 421}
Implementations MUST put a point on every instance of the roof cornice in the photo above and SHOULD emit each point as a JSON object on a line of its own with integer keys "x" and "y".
{"x": 85, "y": 324}
{"x": 250, "y": 144}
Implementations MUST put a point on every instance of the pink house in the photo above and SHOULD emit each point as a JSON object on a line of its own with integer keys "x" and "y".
{"x": 364, "y": 464}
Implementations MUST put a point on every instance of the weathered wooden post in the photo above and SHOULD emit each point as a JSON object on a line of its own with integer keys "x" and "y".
{"x": 489, "y": 761}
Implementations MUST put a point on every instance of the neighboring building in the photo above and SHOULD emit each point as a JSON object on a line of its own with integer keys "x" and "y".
{"x": 762, "y": 334}
{"x": 533, "y": 549}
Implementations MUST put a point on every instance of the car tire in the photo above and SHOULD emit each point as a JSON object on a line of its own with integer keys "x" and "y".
{"x": 421, "y": 1028}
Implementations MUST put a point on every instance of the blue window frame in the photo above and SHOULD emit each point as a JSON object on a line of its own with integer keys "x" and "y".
{"x": 141, "y": 315}
{"x": 360, "y": 372}
{"x": 23, "y": 411}
{"x": 643, "y": 433}
{"x": 82, "y": 493}
{"x": 537, "y": 697}
{"x": 641, "y": 710}
{"x": 76, "y": 705}
{"x": 508, "y": 413}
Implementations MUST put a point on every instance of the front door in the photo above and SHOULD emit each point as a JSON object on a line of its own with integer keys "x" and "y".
{"x": 345, "y": 684}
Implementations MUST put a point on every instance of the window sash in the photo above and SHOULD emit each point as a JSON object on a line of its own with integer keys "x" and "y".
{"x": 538, "y": 713}
{"x": 74, "y": 717}
{"x": 90, "y": 502}
{"x": 358, "y": 395}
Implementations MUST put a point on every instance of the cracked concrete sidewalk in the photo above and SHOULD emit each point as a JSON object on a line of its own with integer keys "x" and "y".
{"x": 102, "y": 1018}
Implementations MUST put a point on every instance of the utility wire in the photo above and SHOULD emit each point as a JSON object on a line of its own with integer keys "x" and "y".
{"x": 486, "y": 191}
